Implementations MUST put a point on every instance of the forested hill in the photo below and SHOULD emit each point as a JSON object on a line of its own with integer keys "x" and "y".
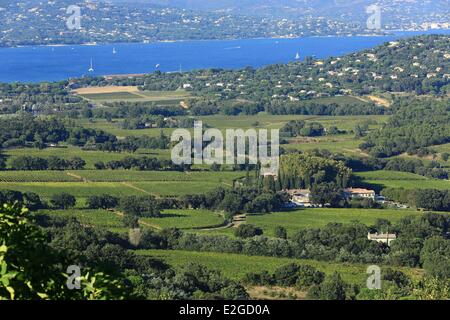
{"x": 417, "y": 124}
{"x": 418, "y": 65}
{"x": 395, "y": 12}
{"x": 34, "y": 22}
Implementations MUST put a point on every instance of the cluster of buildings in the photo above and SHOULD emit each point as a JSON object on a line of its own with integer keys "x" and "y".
{"x": 302, "y": 197}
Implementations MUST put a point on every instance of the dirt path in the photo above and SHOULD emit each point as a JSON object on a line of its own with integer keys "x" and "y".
{"x": 129, "y": 185}
{"x": 73, "y": 175}
{"x": 237, "y": 221}
{"x": 384, "y": 102}
{"x": 371, "y": 98}
{"x": 150, "y": 225}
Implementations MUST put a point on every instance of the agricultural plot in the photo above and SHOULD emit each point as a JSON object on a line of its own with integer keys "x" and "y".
{"x": 342, "y": 143}
{"x": 121, "y": 96}
{"x": 99, "y": 218}
{"x": 268, "y": 121}
{"x": 186, "y": 219}
{"x": 91, "y": 157}
{"x": 394, "y": 179}
{"x": 115, "y": 128}
{"x": 175, "y": 188}
{"x": 345, "y": 144}
{"x": 78, "y": 189}
{"x": 36, "y": 176}
{"x": 84, "y": 183}
{"x": 442, "y": 148}
{"x": 161, "y": 176}
{"x": 235, "y": 266}
{"x": 131, "y": 93}
{"x": 319, "y": 217}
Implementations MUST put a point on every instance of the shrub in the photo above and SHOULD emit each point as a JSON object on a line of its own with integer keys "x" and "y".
{"x": 104, "y": 201}
{"x": 247, "y": 231}
{"x": 308, "y": 276}
{"x": 63, "y": 201}
{"x": 287, "y": 275}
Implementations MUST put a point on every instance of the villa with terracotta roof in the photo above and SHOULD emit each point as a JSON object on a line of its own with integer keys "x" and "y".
{"x": 359, "y": 193}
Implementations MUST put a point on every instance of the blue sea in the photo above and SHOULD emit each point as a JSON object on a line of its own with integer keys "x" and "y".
{"x": 53, "y": 63}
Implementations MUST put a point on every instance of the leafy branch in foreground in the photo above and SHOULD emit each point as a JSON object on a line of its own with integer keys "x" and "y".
{"x": 31, "y": 270}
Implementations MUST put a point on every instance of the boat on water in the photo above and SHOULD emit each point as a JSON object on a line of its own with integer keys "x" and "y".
{"x": 297, "y": 56}
{"x": 91, "y": 68}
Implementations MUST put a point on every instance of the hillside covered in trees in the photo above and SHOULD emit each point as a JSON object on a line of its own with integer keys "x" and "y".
{"x": 416, "y": 125}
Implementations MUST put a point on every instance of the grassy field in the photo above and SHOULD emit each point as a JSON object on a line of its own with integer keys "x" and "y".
{"x": 319, "y": 217}
{"x": 120, "y": 96}
{"x": 86, "y": 189}
{"x": 161, "y": 176}
{"x": 91, "y": 157}
{"x": 36, "y": 176}
{"x": 106, "y": 89}
{"x": 186, "y": 219}
{"x": 83, "y": 183}
{"x": 343, "y": 143}
{"x": 181, "y": 219}
{"x": 394, "y": 179}
{"x": 175, "y": 188}
{"x": 133, "y": 94}
{"x": 268, "y": 121}
{"x": 235, "y": 266}
{"x": 115, "y": 128}
{"x": 99, "y": 218}
{"x": 78, "y": 189}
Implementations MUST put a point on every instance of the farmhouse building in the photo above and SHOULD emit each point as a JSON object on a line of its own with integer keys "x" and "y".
{"x": 301, "y": 197}
{"x": 351, "y": 193}
{"x": 382, "y": 237}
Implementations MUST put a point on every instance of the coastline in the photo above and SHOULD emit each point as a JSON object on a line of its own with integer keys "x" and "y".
{"x": 59, "y": 70}
{"x": 346, "y": 35}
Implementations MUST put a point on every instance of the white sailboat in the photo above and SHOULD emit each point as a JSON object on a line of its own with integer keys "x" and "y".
{"x": 91, "y": 69}
{"x": 114, "y": 51}
{"x": 297, "y": 56}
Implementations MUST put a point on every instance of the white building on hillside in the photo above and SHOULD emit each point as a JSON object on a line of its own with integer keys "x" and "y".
{"x": 382, "y": 237}
{"x": 351, "y": 193}
{"x": 301, "y": 197}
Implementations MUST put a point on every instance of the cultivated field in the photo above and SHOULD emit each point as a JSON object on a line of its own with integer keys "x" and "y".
{"x": 342, "y": 143}
{"x": 186, "y": 219}
{"x": 319, "y": 217}
{"x": 394, "y": 179}
{"x": 108, "y": 89}
{"x": 115, "y": 128}
{"x": 99, "y": 218}
{"x": 83, "y": 183}
{"x": 161, "y": 176}
{"x": 131, "y": 93}
{"x": 91, "y": 157}
{"x": 181, "y": 219}
{"x": 235, "y": 266}
{"x": 36, "y": 176}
